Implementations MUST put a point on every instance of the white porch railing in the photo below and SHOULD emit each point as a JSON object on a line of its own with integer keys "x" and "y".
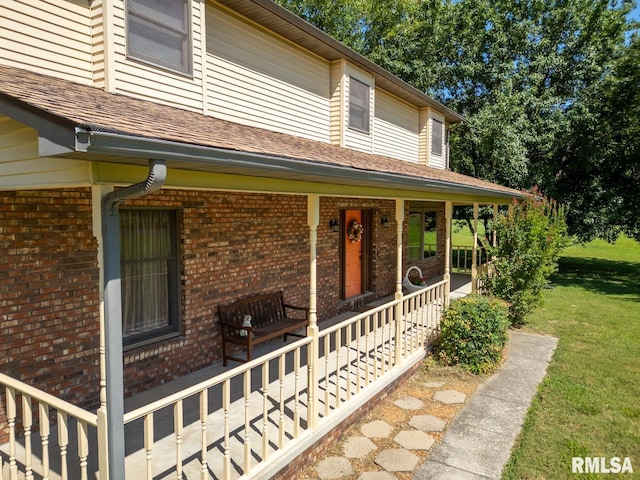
{"x": 235, "y": 423}
{"x": 30, "y": 456}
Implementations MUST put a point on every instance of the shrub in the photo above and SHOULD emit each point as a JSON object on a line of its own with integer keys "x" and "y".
{"x": 474, "y": 333}
{"x": 531, "y": 238}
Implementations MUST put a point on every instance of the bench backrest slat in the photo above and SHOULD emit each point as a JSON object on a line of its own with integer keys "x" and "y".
{"x": 264, "y": 309}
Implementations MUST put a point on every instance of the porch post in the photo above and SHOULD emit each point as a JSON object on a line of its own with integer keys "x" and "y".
{"x": 398, "y": 294}
{"x": 474, "y": 252}
{"x": 448, "y": 215}
{"x": 494, "y": 240}
{"x": 313, "y": 217}
{"x": 103, "y": 465}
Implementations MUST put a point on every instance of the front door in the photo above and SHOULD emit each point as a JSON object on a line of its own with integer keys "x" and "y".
{"x": 353, "y": 241}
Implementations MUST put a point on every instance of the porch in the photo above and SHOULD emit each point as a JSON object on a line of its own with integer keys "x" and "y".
{"x": 224, "y": 423}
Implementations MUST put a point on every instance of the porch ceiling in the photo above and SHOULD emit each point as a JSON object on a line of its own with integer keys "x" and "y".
{"x": 78, "y": 121}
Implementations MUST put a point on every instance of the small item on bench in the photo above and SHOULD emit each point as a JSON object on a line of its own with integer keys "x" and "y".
{"x": 268, "y": 318}
{"x": 246, "y": 322}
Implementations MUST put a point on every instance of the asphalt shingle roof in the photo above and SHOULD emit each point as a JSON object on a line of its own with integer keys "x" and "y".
{"x": 94, "y": 109}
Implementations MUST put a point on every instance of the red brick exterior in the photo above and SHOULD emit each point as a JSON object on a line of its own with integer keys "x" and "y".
{"x": 49, "y": 298}
{"x": 231, "y": 245}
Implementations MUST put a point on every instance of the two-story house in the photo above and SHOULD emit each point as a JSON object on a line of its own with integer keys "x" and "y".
{"x": 160, "y": 158}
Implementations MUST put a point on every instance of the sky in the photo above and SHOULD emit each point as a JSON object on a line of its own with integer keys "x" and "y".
{"x": 635, "y": 13}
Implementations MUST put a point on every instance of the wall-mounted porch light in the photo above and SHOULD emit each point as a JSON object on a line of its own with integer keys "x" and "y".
{"x": 385, "y": 222}
{"x": 334, "y": 224}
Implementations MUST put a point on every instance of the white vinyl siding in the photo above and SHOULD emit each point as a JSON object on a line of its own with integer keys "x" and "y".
{"x": 156, "y": 84}
{"x": 21, "y": 166}
{"x": 260, "y": 80}
{"x": 53, "y": 38}
{"x": 396, "y": 127}
{"x": 338, "y": 80}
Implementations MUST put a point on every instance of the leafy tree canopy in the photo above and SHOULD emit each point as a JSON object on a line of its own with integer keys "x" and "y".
{"x": 549, "y": 88}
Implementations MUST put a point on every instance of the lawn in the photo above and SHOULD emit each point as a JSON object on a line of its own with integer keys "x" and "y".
{"x": 589, "y": 403}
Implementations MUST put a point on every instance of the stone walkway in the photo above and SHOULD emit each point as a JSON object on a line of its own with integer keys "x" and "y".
{"x": 405, "y": 442}
{"x": 471, "y": 444}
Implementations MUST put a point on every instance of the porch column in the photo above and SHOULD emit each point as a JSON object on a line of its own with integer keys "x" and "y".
{"x": 448, "y": 216}
{"x": 494, "y": 240}
{"x": 474, "y": 252}
{"x": 98, "y": 192}
{"x": 313, "y": 218}
{"x": 398, "y": 294}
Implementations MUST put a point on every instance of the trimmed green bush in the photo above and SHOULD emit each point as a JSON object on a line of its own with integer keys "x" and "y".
{"x": 474, "y": 333}
{"x": 531, "y": 237}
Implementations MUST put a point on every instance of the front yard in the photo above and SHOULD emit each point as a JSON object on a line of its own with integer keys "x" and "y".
{"x": 589, "y": 403}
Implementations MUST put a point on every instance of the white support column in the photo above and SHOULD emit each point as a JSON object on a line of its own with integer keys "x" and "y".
{"x": 474, "y": 252}
{"x": 448, "y": 216}
{"x": 313, "y": 217}
{"x": 399, "y": 272}
{"x": 98, "y": 192}
{"x": 494, "y": 240}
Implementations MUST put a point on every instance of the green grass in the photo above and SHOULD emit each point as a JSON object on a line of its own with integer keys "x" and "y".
{"x": 589, "y": 402}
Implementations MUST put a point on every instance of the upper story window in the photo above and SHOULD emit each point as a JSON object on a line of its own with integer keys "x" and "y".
{"x": 423, "y": 234}
{"x": 150, "y": 275}
{"x": 437, "y": 135}
{"x": 359, "y": 105}
{"x": 159, "y": 32}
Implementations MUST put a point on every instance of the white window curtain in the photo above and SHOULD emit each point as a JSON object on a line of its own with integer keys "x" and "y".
{"x": 147, "y": 253}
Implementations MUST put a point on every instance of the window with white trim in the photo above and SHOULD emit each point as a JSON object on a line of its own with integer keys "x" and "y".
{"x": 149, "y": 274}
{"x": 423, "y": 234}
{"x": 159, "y": 32}
{"x": 359, "y": 105}
{"x": 437, "y": 135}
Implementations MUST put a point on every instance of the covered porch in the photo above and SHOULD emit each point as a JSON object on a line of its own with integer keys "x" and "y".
{"x": 252, "y": 419}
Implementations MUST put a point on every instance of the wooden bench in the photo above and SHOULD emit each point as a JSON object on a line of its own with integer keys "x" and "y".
{"x": 269, "y": 320}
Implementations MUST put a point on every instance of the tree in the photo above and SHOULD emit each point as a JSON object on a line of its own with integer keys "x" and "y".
{"x": 531, "y": 77}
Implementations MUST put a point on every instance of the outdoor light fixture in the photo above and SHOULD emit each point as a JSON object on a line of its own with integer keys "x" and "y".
{"x": 385, "y": 222}
{"x": 334, "y": 225}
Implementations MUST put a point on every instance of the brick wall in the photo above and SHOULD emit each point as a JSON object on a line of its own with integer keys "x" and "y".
{"x": 231, "y": 245}
{"x": 49, "y": 305}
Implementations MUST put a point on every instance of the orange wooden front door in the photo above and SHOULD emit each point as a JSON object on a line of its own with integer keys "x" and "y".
{"x": 352, "y": 257}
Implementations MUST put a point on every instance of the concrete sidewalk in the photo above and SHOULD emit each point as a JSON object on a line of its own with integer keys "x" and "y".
{"x": 478, "y": 443}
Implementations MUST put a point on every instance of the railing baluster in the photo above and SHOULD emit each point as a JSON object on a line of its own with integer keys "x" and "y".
{"x": 148, "y": 444}
{"x": 204, "y": 413}
{"x": 327, "y": 344}
{"x": 63, "y": 442}
{"x": 358, "y": 356}
{"x": 226, "y": 402}
{"x": 11, "y": 420}
{"x": 247, "y": 421}
{"x": 296, "y": 406}
{"x": 265, "y": 411}
{"x": 83, "y": 448}
{"x": 367, "y": 344}
{"x": 347, "y": 344}
{"x": 281, "y": 429}
{"x": 27, "y": 423}
{"x": 178, "y": 426}
{"x": 45, "y": 431}
{"x": 338, "y": 347}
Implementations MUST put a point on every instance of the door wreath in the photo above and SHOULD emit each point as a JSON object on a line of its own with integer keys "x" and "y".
{"x": 355, "y": 231}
